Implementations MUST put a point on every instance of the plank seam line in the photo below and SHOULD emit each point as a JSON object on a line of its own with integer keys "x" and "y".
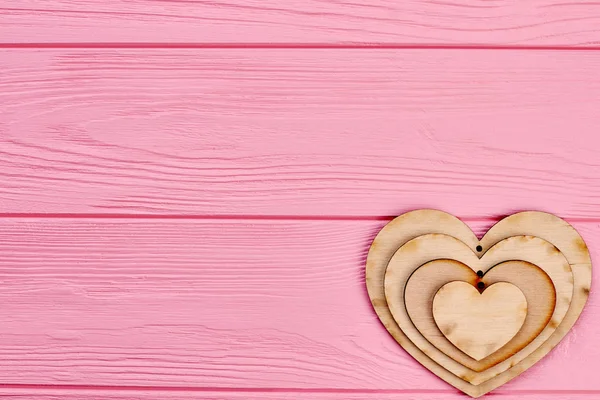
{"x": 219, "y": 389}
{"x": 107, "y": 388}
{"x": 297, "y": 46}
{"x": 247, "y": 217}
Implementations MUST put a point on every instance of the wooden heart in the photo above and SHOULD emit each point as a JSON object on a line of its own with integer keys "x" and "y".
{"x": 479, "y": 323}
{"x": 408, "y": 263}
{"x": 409, "y": 226}
{"x": 533, "y": 281}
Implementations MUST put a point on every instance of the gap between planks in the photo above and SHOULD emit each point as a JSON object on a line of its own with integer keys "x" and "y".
{"x": 286, "y": 46}
{"x": 492, "y": 218}
{"x": 108, "y": 388}
{"x": 16, "y": 389}
{"x": 536, "y": 22}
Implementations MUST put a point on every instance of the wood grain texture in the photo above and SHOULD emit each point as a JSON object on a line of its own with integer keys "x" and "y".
{"x": 291, "y": 136}
{"x": 303, "y": 133}
{"x": 501, "y": 22}
{"x": 159, "y": 302}
{"x": 479, "y": 323}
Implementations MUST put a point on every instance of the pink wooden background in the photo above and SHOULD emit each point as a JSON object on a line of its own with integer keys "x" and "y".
{"x": 188, "y": 189}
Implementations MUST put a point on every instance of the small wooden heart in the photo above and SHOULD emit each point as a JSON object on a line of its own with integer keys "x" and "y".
{"x": 478, "y": 313}
{"x": 479, "y": 323}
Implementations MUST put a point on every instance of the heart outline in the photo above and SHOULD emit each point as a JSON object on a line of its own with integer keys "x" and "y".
{"x": 416, "y": 223}
{"x": 421, "y": 286}
{"x": 442, "y": 246}
{"x": 484, "y": 305}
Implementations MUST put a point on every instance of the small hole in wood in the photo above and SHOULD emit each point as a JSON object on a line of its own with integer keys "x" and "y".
{"x": 479, "y": 248}
{"x": 480, "y": 285}
{"x": 480, "y": 274}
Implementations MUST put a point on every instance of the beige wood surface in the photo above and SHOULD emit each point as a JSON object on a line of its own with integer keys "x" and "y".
{"x": 535, "y": 284}
{"x": 479, "y": 323}
{"x": 410, "y": 225}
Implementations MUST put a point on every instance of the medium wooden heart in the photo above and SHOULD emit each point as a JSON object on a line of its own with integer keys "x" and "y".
{"x": 479, "y": 323}
{"x": 408, "y": 264}
{"x": 389, "y": 245}
{"x": 536, "y": 285}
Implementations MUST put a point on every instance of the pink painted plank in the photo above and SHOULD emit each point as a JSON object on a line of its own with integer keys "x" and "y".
{"x": 501, "y": 22}
{"x": 153, "y": 394}
{"x": 288, "y": 132}
{"x": 252, "y": 304}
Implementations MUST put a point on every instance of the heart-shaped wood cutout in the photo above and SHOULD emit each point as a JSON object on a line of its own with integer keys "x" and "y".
{"x": 479, "y": 323}
{"x": 537, "y": 286}
{"x": 411, "y": 260}
{"x": 394, "y": 249}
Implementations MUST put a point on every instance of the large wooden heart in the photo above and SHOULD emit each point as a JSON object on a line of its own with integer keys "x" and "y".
{"x": 417, "y": 253}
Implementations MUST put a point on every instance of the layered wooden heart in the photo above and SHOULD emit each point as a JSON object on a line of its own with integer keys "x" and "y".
{"x": 478, "y": 313}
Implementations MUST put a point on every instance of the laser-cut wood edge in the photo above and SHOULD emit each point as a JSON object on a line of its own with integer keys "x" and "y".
{"x": 533, "y": 281}
{"x": 535, "y": 223}
{"x": 422, "y": 249}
